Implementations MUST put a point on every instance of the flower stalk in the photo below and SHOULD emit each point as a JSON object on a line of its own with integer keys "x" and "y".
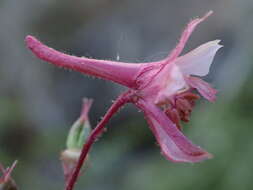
{"x": 118, "y": 103}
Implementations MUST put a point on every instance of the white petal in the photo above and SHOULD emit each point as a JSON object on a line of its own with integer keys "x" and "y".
{"x": 198, "y": 61}
{"x": 171, "y": 80}
{"x": 175, "y": 82}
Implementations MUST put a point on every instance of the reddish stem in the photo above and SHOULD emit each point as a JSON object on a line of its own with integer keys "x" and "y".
{"x": 120, "y": 101}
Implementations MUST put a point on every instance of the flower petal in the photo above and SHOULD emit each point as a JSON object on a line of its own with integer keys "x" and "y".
{"x": 198, "y": 61}
{"x": 185, "y": 36}
{"x": 203, "y": 88}
{"x": 170, "y": 80}
{"x": 174, "y": 145}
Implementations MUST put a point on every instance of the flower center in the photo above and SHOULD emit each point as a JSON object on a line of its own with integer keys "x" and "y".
{"x": 179, "y": 107}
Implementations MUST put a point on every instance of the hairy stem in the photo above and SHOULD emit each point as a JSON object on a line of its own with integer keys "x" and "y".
{"x": 120, "y": 101}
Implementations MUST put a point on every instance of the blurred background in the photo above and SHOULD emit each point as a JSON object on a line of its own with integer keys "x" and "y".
{"x": 39, "y": 102}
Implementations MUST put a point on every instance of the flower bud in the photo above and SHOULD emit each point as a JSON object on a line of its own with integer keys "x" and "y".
{"x": 6, "y": 182}
{"x": 77, "y": 136}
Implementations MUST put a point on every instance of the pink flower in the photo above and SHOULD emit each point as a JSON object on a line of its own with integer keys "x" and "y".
{"x": 163, "y": 90}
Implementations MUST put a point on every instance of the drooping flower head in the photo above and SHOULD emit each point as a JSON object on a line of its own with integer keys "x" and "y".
{"x": 163, "y": 90}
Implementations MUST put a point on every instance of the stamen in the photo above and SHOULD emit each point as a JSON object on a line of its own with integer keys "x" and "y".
{"x": 183, "y": 105}
{"x": 174, "y": 117}
{"x": 189, "y": 96}
{"x": 180, "y": 107}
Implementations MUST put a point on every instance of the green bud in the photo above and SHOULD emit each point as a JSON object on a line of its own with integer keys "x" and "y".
{"x": 81, "y": 129}
{"x": 78, "y": 134}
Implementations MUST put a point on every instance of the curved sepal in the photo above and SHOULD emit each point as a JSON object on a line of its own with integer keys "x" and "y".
{"x": 174, "y": 145}
{"x": 202, "y": 87}
{"x": 185, "y": 36}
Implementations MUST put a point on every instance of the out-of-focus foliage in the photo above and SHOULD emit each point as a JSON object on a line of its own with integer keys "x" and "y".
{"x": 38, "y": 102}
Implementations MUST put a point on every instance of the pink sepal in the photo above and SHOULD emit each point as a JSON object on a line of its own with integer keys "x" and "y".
{"x": 185, "y": 36}
{"x": 174, "y": 145}
{"x": 202, "y": 87}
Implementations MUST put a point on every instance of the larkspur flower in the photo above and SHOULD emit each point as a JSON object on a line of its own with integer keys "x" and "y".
{"x": 163, "y": 90}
